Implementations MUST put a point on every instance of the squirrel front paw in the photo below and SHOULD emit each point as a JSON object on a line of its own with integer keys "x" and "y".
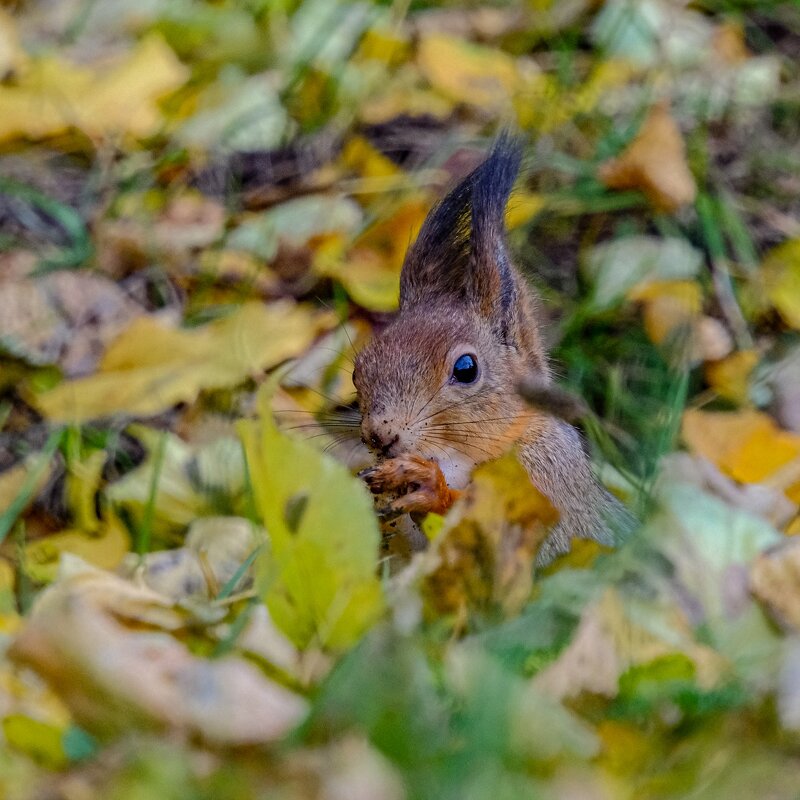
{"x": 418, "y": 486}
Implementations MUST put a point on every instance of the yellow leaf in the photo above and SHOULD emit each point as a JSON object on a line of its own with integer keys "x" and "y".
{"x": 40, "y": 740}
{"x": 746, "y": 445}
{"x": 780, "y": 274}
{"x": 387, "y": 45}
{"x": 468, "y": 73}
{"x": 319, "y": 577}
{"x": 403, "y": 95}
{"x": 152, "y": 366}
{"x": 655, "y": 163}
{"x": 359, "y": 155}
{"x": 12, "y": 56}
{"x": 669, "y": 306}
{"x": 52, "y": 96}
{"x": 13, "y": 480}
{"x": 7, "y": 599}
{"x": 83, "y": 482}
{"x": 488, "y": 544}
{"x": 104, "y": 549}
{"x": 523, "y": 207}
{"x": 730, "y": 376}
{"x": 370, "y": 269}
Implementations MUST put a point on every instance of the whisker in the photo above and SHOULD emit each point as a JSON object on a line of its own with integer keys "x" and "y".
{"x": 472, "y": 398}
{"x": 430, "y": 399}
{"x": 341, "y": 439}
{"x": 459, "y": 423}
{"x": 452, "y": 444}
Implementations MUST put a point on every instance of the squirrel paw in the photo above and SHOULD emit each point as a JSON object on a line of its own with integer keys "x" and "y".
{"x": 420, "y": 485}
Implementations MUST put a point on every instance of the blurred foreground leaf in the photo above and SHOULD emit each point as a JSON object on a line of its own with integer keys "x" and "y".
{"x": 318, "y": 576}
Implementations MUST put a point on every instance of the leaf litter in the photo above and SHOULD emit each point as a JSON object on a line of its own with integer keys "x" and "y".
{"x": 196, "y": 597}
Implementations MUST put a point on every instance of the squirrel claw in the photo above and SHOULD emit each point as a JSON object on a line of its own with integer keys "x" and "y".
{"x": 419, "y": 482}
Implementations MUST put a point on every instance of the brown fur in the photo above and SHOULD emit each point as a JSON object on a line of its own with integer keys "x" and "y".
{"x": 461, "y": 294}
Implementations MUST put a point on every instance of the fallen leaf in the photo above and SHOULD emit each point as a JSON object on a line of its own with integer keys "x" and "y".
{"x": 670, "y": 307}
{"x": 405, "y": 95}
{"x": 484, "y": 555}
{"x": 729, "y": 43}
{"x": 370, "y": 269}
{"x": 703, "y": 549}
{"x": 609, "y": 641}
{"x": 294, "y": 223}
{"x": 522, "y": 207}
{"x": 190, "y": 482}
{"x": 630, "y": 263}
{"x": 152, "y": 366}
{"x": 655, "y": 163}
{"x": 767, "y": 502}
{"x": 12, "y": 55}
{"x": 235, "y": 114}
{"x": 746, "y": 445}
{"x": 318, "y": 578}
{"x": 104, "y": 548}
{"x": 785, "y": 384}
{"x": 775, "y": 581}
{"x": 468, "y": 73}
{"x": 114, "y": 679}
{"x": 730, "y": 377}
{"x": 52, "y": 96}
{"x": 64, "y": 318}
{"x": 780, "y": 276}
{"x": 215, "y": 550}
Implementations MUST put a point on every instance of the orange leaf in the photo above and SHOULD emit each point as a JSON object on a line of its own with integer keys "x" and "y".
{"x": 655, "y": 163}
{"x": 746, "y": 445}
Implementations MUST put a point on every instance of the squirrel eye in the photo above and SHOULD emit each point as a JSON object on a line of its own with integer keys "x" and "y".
{"x": 465, "y": 370}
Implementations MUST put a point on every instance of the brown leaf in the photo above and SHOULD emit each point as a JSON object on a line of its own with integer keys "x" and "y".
{"x": 775, "y": 581}
{"x": 608, "y": 641}
{"x": 113, "y": 678}
{"x": 655, "y": 163}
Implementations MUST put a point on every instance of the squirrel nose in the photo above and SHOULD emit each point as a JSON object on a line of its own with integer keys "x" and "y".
{"x": 379, "y": 438}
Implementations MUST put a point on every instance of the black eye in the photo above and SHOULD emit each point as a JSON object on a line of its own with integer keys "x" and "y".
{"x": 465, "y": 370}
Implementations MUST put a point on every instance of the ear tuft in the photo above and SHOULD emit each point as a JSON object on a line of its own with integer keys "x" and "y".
{"x": 460, "y": 252}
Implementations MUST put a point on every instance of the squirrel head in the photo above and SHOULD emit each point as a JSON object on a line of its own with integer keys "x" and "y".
{"x": 441, "y": 380}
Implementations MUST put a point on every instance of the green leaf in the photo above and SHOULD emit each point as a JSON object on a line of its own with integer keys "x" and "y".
{"x": 318, "y": 578}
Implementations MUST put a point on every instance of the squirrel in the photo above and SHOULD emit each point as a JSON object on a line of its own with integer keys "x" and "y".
{"x": 438, "y": 388}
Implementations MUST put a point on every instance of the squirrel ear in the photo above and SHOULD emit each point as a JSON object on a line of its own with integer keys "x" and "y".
{"x": 460, "y": 252}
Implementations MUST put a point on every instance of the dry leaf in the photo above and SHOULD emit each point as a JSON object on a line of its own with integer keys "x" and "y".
{"x": 487, "y": 548}
{"x": 52, "y": 96}
{"x": 730, "y": 377}
{"x": 113, "y": 679}
{"x": 65, "y": 318}
{"x": 670, "y": 307}
{"x": 757, "y": 498}
{"x": 104, "y": 548}
{"x": 12, "y": 56}
{"x": 780, "y": 276}
{"x": 213, "y": 554}
{"x": 468, "y": 73}
{"x": 370, "y": 269}
{"x": 608, "y": 641}
{"x": 152, "y": 366}
{"x": 746, "y": 445}
{"x": 775, "y": 581}
{"x": 655, "y": 163}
